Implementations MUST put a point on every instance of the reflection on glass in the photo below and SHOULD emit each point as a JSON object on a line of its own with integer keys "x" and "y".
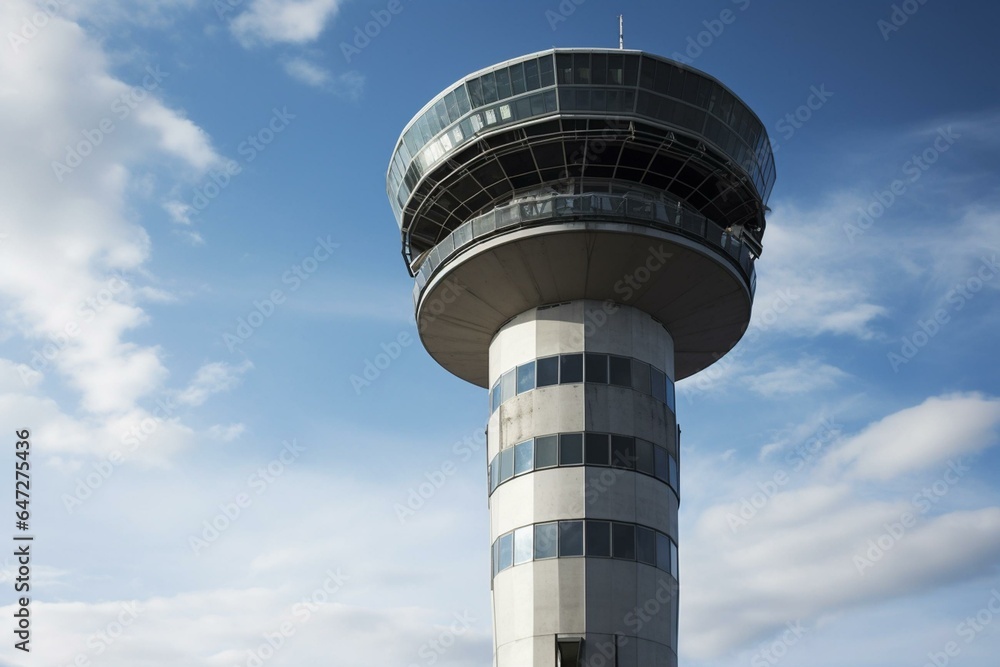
{"x": 505, "y": 554}
{"x": 547, "y": 540}
{"x": 523, "y": 457}
{"x": 506, "y": 464}
{"x": 526, "y": 377}
{"x": 644, "y": 456}
{"x": 570, "y": 449}
{"x": 546, "y": 451}
{"x": 523, "y": 544}
{"x": 570, "y": 538}
{"x": 663, "y": 552}
{"x": 548, "y": 371}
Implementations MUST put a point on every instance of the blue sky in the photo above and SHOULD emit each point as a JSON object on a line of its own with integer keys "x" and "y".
{"x": 234, "y": 171}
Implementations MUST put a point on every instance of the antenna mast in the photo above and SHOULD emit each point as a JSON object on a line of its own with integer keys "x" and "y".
{"x": 621, "y": 31}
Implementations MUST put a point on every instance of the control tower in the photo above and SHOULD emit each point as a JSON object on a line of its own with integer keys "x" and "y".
{"x": 582, "y": 226}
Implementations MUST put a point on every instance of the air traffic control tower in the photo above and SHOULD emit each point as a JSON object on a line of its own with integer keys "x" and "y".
{"x": 582, "y": 226}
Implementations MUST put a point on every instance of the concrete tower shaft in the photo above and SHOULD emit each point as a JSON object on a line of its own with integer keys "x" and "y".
{"x": 582, "y": 226}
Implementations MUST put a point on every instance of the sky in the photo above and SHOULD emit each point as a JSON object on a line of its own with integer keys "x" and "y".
{"x": 198, "y": 263}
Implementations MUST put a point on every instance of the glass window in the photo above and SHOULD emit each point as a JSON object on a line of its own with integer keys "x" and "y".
{"x": 475, "y": 93}
{"x": 531, "y": 74}
{"x": 545, "y": 71}
{"x": 623, "y": 541}
{"x": 599, "y": 62}
{"x": 526, "y": 377}
{"x": 631, "y": 69}
{"x": 505, "y": 554}
{"x": 564, "y": 67}
{"x": 506, "y": 464}
{"x": 673, "y": 473}
{"x": 674, "y": 563}
{"x": 524, "y": 544}
{"x": 546, "y": 451}
{"x": 494, "y": 473}
{"x": 570, "y": 449}
{"x": 503, "y": 84}
{"x": 658, "y": 384}
{"x": 517, "y": 78}
{"x": 599, "y": 538}
{"x": 623, "y": 452}
{"x": 547, "y": 540}
{"x": 495, "y": 397}
{"x": 645, "y": 542}
{"x": 570, "y": 368}
{"x": 640, "y": 376}
{"x": 489, "y": 83}
{"x": 496, "y": 557}
{"x": 597, "y": 449}
{"x": 615, "y": 65}
{"x": 597, "y": 368}
{"x": 660, "y": 463}
{"x": 508, "y": 386}
{"x": 663, "y": 552}
{"x": 524, "y": 457}
{"x": 644, "y": 456}
{"x": 570, "y": 538}
{"x": 620, "y": 371}
{"x": 547, "y": 372}
{"x": 463, "y": 100}
{"x": 581, "y": 68}
{"x": 671, "y": 399}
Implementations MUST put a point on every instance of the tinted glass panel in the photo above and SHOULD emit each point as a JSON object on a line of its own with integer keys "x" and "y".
{"x": 623, "y": 452}
{"x": 505, "y": 554}
{"x": 547, "y": 541}
{"x": 494, "y": 473}
{"x": 570, "y": 538}
{"x": 674, "y": 477}
{"x": 660, "y": 463}
{"x": 526, "y": 377}
{"x": 508, "y": 386}
{"x": 531, "y": 74}
{"x": 597, "y": 368}
{"x": 546, "y": 451}
{"x": 545, "y": 71}
{"x": 644, "y": 456}
{"x": 663, "y": 552}
{"x": 517, "y": 78}
{"x": 671, "y": 400}
{"x": 620, "y": 371}
{"x": 645, "y": 545}
{"x": 503, "y": 84}
{"x": 570, "y": 368}
{"x": 495, "y": 397}
{"x": 523, "y": 457}
{"x": 658, "y": 384}
{"x": 570, "y": 449}
{"x": 674, "y": 563}
{"x": 506, "y": 464}
{"x": 623, "y": 540}
{"x": 547, "y": 372}
{"x": 523, "y": 544}
{"x": 597, "y": 449}
{"x": 599, "y": 538}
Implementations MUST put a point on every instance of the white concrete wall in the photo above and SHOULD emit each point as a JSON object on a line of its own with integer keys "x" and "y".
{"x": 595, "y": 598}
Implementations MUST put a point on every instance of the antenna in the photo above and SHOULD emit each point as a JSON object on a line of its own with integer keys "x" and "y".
{"x": 621, "y": 31}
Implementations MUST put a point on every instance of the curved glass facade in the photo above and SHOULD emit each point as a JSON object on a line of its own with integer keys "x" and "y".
{"x": 589, "y": 367}
{"x": 605, "y": 83}
{"x": 606, "y": 450}
{"x": 590, "y": 538}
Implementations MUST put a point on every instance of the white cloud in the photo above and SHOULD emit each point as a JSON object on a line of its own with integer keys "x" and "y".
{"x": 306, "y": 72}
{"x": 938, "y": 429}
{"x": 808, "y": 374}
{"x": 226, "y": 433}
{"x": 211, "y": 379}
{"x": 283, "y": 21}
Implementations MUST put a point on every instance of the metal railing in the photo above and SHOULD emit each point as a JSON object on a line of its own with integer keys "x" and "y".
{"x": 601, "y": 206}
